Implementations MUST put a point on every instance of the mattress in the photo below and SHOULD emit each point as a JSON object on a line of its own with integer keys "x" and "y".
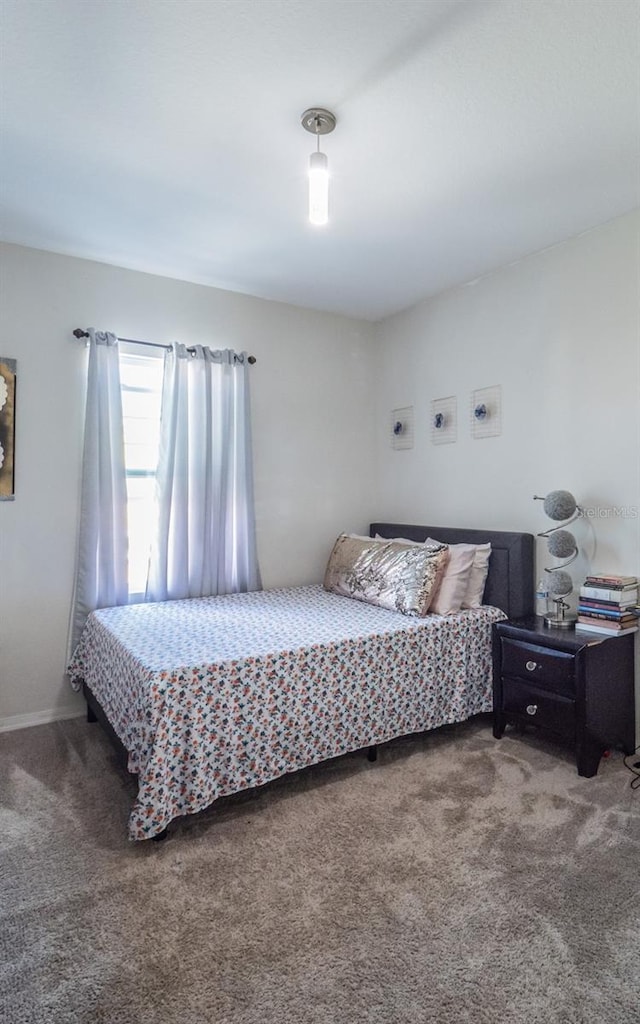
{"x": 214, "y": 695}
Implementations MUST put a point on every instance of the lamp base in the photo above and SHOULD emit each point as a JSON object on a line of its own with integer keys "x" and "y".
{"x": 554, "y": 621}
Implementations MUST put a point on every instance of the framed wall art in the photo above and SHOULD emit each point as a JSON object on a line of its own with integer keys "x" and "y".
{"x": 402, "y": 427}
{"x": 7, "y": 428}
{"x": 444, "y": 425}
{"x": 486, "y": 412}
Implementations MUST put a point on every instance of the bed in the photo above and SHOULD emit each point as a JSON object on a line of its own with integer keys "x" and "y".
{"x": 211, "y": 696}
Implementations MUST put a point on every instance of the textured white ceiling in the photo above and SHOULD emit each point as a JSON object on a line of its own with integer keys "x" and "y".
{"x": 164, "y": 135}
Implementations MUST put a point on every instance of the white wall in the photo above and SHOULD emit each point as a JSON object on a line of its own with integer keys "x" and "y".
{"x": 560, "y": 332}
{"x": 312, "y": 424}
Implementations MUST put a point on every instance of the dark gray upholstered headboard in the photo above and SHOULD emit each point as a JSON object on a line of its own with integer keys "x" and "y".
{"x": 509, "y": 584}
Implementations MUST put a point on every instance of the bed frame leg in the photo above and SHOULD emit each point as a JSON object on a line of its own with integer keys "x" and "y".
{"x": 91, "y": 717}
{"x": 372, "y": 753}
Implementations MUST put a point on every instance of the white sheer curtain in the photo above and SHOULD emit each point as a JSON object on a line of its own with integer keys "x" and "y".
{"x": 206, "y": 529}
{"x": 101, "y": 570}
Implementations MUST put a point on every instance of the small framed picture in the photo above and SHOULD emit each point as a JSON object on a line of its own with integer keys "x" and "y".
{"x": 7, "y": 428}
{"x": 486, "y": 412}
{"x": 444, "y": 420}
{"x": 402, "y": 427}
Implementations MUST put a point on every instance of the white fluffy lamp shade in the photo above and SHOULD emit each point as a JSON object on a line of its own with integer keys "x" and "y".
{"x": 560, "y": 583}
{"x": 562, "y": 544}
{"x": 560, "y": 505}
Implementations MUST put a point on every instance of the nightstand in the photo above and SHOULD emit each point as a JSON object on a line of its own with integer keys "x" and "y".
{"x": 575, "y": 687}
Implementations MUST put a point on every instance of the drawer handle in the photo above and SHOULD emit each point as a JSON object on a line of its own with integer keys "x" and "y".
{"x": 531, "y": 666}
{"x": 532, "y": 709}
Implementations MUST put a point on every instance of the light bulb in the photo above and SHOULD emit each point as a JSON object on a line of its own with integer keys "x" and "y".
{"x": 318, "y": 188}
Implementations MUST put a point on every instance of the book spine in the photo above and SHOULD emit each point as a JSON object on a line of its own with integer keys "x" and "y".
{"x": 612, "y": 616}
{"x": 597, "y": 602}
{"x": 609, "y": 594}
{"x": 613, "y": 627}
{"x": 613, "y": 581}
{"x": 614, "y": 609}
{"x": 589, "y": 628}
{"x": 611, "y": 585}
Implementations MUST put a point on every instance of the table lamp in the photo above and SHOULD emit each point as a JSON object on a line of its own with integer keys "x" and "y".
{"x": 561, "y": 506}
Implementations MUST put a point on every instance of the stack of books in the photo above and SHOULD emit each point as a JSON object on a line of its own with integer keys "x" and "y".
{"x": 608, "y": 604}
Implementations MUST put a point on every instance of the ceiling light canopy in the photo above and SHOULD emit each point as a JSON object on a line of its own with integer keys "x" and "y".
{"x": 319, "y": 122}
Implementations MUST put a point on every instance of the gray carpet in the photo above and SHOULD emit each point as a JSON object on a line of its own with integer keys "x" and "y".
{"x": 458, "y": 880}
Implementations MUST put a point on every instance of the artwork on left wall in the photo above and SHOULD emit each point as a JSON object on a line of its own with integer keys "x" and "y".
{"x": 7, "y": 428}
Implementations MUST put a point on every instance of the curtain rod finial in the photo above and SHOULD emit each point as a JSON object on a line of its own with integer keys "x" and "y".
{"x": 79, "y": 333}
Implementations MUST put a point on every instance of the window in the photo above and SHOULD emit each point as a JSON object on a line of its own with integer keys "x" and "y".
{"x": 141, "y": 372}
{"x": 116, "y": 543}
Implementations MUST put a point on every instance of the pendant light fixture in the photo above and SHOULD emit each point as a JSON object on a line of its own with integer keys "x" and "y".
{"x": 319, "y": 122}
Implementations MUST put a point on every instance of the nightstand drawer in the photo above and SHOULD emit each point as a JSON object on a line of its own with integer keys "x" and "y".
{"x": 539, "y": 707}
{"x": 541, "y": 666}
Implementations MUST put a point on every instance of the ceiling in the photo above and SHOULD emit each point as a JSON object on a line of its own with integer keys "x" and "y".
{"x": 164, "y": 135}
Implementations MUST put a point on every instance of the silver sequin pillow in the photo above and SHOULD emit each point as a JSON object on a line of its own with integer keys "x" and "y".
{"x": 400, "y": 577}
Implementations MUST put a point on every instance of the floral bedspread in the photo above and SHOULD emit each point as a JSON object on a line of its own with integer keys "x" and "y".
{"x": 214, "y": 695}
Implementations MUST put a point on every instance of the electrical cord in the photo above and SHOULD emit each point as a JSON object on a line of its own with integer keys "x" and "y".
{"x": 634, "y": 768}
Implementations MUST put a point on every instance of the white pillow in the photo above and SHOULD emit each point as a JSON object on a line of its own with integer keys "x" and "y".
{"x": 477, "y": 577}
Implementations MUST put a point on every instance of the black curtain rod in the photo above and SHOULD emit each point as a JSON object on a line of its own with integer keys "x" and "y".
{"x": 79, "y": 333}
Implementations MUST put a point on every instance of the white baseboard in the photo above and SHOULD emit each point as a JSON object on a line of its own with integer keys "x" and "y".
{"x": 39, "y": 718}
